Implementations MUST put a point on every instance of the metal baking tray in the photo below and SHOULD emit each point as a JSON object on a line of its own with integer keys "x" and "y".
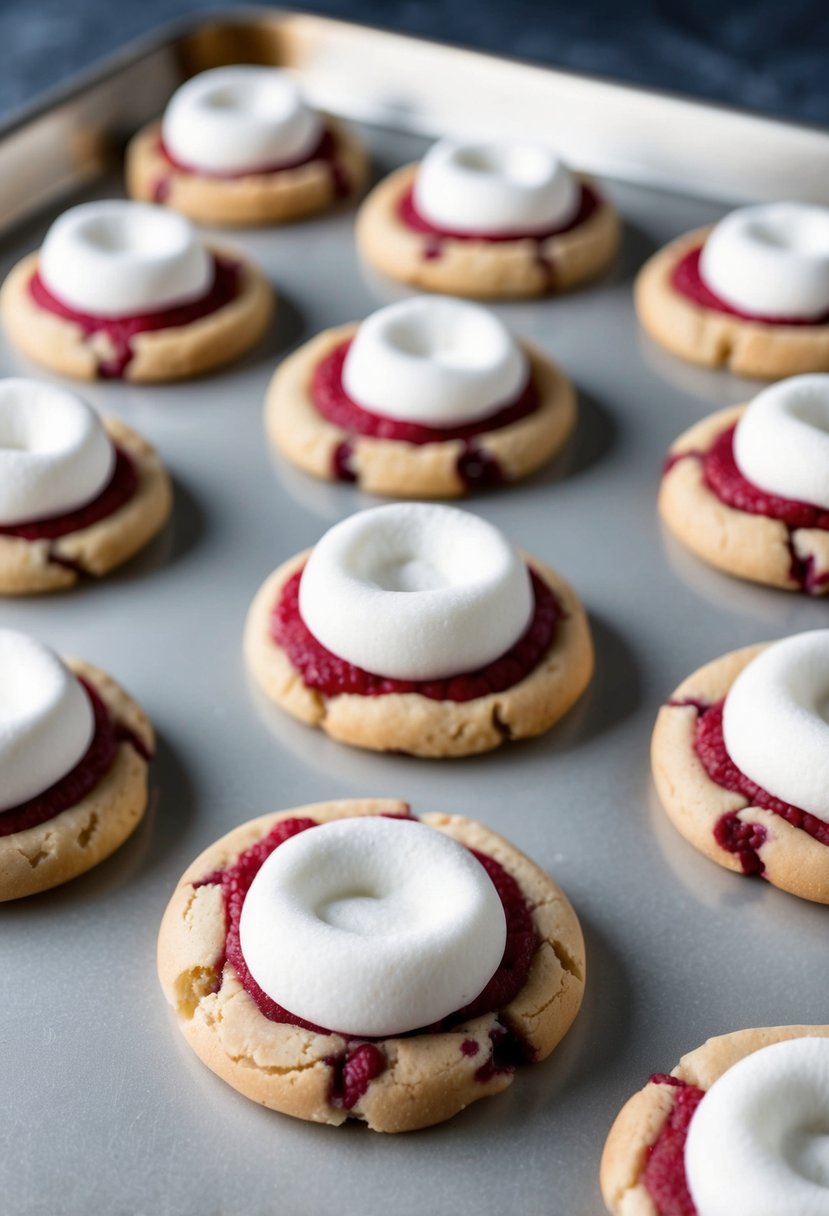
{"x": 105, "y": 1109}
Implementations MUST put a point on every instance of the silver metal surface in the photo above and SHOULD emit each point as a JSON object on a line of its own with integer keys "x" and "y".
{"x": 105, "y": 1109}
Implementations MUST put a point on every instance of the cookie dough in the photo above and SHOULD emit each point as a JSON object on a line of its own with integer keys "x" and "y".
{"x": 759, "y": 349}
{"x": 77, "y": 839}
{"x": 789, "y": 857}
{"x": 175, "y": 353}
{"x": 410, "y": 722}
{"x": 251, "y": 198}
{"x": 505, "y": 269}
{"x": 426, "y": 1077}
{"x": 29, "y": 567}
{"x": 641, "y": 1120}
{"x": 755, "y": 547}
{"x": 393, "y": 467}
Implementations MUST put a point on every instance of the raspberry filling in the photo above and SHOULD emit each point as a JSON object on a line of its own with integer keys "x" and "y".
{"x": 79, "y": 781}
{"x": 324, "y": 150}
{"x": 116, "y": 493}
{"x": 688, "y": 281}
{"x": 333, "y": 402}
{"x": 723, "y": 478}
{"x": 664, "y": 1174}
{"x": 730, "y": 831}
{"x": 364, "y": 1061}
{"x": 327, "y": 674}
{"x": 407, "y": 211}
{"x": 122, "y": 330}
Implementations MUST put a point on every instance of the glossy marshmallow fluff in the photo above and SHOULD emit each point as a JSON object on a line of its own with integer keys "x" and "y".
{"x": 46, "y": 720}
{"x": 759, "y": 1140}
{"x": 415, "y": 591}
{"x": 495, "y": 187}
{"x": 239, "y": 119}
{"x": 776, "y": 721}
{"x": 120, "y": 259}
{"x": 434, "y": 360}
{"x": 372, "y": 926}
{"x": 55, "y": 455}
{"x": 782, "y": 440}
{"x": 771, "y": 260}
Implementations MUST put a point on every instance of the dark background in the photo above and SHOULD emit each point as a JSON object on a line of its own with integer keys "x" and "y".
{"x": 770, "y": 55}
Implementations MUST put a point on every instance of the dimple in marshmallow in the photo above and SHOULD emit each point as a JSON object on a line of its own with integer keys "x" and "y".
{"x": 46, "y": 720}
{"x": 372, "y": 926}
{"x": 782, "y": 440}
{"x": 239, "y": 119}
{"x": 441, "y": 362}
{"x": 771, "y": 260}
{"x": 759, "y": 1140}
{"x": 495, "y": 187}
{"x": 119, "y": 259}
{"x": 776, "y": 721}
{"x": 415, "y": 591}
{"x": 55, "y": 455}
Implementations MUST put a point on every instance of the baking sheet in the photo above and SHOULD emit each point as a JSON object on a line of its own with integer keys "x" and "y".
{"x": 105, "y": 1108}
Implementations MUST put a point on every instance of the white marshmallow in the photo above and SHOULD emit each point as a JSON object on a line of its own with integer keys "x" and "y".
{"x": 782, "y": 440}
{"x": 436, "y": 361}
{"x": 118, "y": 259}
{"x": 771, "y": 260}
{"x": 495, "y": 187}
{"x": 415, "y": 591}
{"x": 46, "y": 720}
{"x": 239, "y": 119}
{"x": 775, "y": 721}
{"x": 758, "y": 1143}
{"x": 372, "y": 926}
{"x": 54, "y": 453}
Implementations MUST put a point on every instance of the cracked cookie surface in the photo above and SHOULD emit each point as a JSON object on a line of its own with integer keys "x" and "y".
{"x": 72, "y": 842}
{"x": 415, "y": 1080}
{"x": 413, "y": 723}
{"x": 641, "y": 1121}
{"x": 764, "y": 350}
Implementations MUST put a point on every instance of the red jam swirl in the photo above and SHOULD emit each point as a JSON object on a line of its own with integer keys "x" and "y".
{"x": 664, "y": 1175}
{"x": 122, "y": 330}
{"x": 327, "y": 674}
{"x": 688, "y": 281}
{"x": 333, "y": 402}
{"x": 82, "y": 779}
{"x": 503, "y": 987}
{"x": 117, "y": 493}
{"x": 324, "y": 150}
{"x": 589, "y": 202}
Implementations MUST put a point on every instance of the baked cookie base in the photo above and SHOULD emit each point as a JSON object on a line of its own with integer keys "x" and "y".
{"x": 794, "y": 861}
{"x": 409, "y": 722}
{"x": 641, "y": 1120}
{"x": 427, "y": 1078}
{"x": 754, "y": 547}
{"x": 177, "y": 353}
{"x": 256, "y": 198}
{"x": 29, "y": 567}
{"x": 392, "y": 467}
{"x": 720, "y": 339}
{"x": 79, "y": 838}
{"x": 480, "y": 269}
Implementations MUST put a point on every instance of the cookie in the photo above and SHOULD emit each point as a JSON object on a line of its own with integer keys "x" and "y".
{"x": 732, "y": 522}
{"x": 89, "y": 811}
{"x": 680, "y": 311}
{"x": 728, "y": 815}
{"x": 392, "y": 1083}
{"x": 481, "y": 267}
{"x": 313, "y": 421}
{"x": 534, "y": 673}
{"x": 92, "y": 307}
{"x": 643, "y": 1163}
